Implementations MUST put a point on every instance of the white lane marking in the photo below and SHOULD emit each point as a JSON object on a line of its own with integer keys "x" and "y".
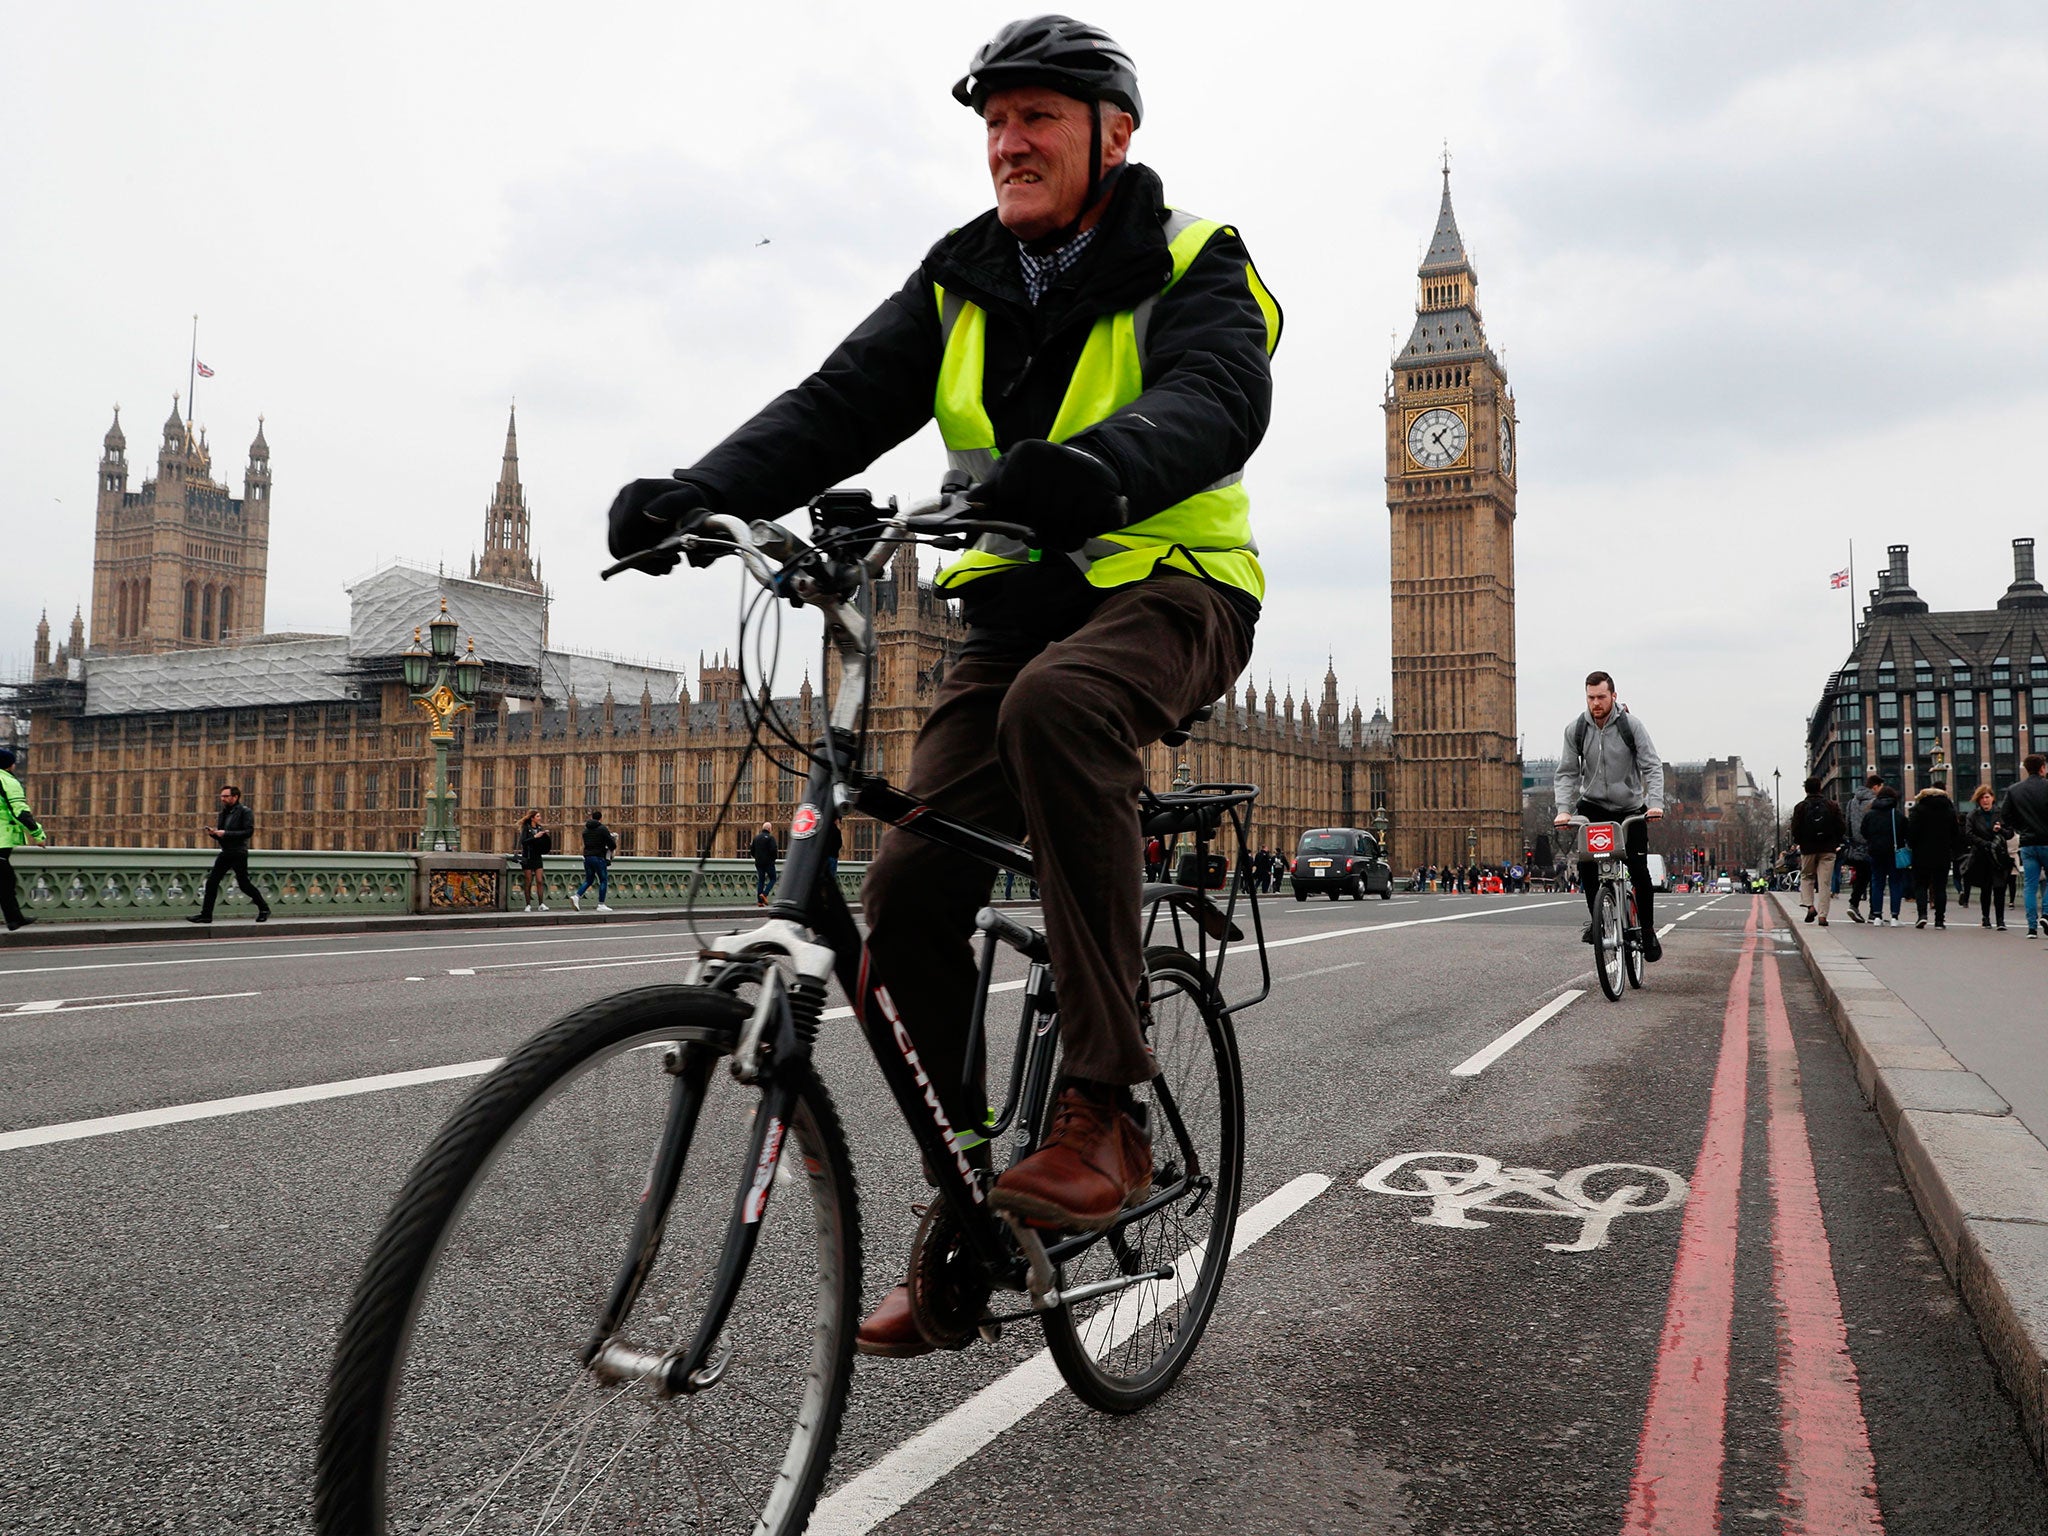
{"x": 1413, "y": 922}
{"x": 556, "y": 968}
{"x": 209, "y": 1109}
{"x": 59, "y": 1005}
{"x": 877, "y": 1493}
{"x": 43, "y": 1005}
{"x": 1485, "y": 1057}
{"x": 462, "y": 973}
{"x": 317, "y": 954}
{"x": 1666, "y": 929}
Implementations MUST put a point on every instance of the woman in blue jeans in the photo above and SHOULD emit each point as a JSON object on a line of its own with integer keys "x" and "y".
{"x": 1882, "y": 831}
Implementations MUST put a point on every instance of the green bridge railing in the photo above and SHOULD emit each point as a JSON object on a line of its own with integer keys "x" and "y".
{"x": 141, "y": 884}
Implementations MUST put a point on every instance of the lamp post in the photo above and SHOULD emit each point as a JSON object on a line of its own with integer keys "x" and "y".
{"x": 1471, "y": 845}
{"x": 1379, "y": 832}
{"x": 1777, "y": 817}
{"x": 443, "y": 687}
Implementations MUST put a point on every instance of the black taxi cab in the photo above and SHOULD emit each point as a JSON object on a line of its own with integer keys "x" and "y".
{"x": 1341, "y": 861}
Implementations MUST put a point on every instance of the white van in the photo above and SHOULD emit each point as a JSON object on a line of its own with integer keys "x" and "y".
{"x": 1660, "y": 877}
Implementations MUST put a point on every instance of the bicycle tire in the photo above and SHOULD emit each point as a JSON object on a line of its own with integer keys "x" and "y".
{"x": 462, "y": 1305}
{"x": 1123, "y": 1350}
{"x": 1607, "y": 942}
{"x": 1632, "y": 938}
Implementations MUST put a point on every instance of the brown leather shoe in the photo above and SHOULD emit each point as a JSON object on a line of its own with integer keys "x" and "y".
{"x": 1095, "y": 1161}
{"x": 890, "y": 1331}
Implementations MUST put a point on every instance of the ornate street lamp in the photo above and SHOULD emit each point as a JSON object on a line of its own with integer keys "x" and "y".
{"x": 443, "y": 687}
{"x": 1379, "y": 832}
{"x": 1471, "y": 845}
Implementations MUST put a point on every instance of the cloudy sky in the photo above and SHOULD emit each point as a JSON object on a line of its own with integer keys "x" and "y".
{"x": 1766, "y": 279}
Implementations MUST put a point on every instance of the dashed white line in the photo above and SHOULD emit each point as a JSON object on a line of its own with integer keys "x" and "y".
{"x": 209, "y": 1109}
{"x": 1481, "y": 1059}
{"x": 876, "y": 1494}
{"x": 50, "y": 1006}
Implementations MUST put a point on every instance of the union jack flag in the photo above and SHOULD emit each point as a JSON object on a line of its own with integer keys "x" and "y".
{"x": 204, "y": 371}
{"x": 1839, "y": 579}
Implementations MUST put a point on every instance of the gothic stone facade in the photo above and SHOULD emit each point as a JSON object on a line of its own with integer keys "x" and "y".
{"x": 1450, "y": 445}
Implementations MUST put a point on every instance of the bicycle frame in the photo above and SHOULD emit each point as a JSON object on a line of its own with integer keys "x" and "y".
{"x": 809, "y": 937}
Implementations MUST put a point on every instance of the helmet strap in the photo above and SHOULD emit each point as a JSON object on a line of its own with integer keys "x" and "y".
{"x": 1098, "y": 184}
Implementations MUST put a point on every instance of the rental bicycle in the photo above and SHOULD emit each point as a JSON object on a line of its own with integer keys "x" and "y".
{"x": 1617, "y": 927}
{"x": 619, "y": 1289}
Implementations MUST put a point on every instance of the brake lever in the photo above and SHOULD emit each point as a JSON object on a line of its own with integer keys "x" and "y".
{"x": 678, "y": 543}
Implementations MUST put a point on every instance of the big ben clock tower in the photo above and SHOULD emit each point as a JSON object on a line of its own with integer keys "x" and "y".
{"x": 1451, "y": 461}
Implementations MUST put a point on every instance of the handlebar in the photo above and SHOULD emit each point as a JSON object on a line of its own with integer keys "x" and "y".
{"x": 945, "y": 517}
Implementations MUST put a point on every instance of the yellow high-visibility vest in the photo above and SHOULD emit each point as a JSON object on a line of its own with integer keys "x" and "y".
{"x": 1208, "y": 534}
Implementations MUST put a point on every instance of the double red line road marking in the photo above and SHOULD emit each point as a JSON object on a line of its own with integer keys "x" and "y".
{"x": 1828, "y": 1480}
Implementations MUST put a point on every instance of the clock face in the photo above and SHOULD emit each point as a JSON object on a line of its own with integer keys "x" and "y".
{"x": 1507, "y": 447}
{"x": 1436, "y": 438}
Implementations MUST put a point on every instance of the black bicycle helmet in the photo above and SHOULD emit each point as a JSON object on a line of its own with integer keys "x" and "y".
{"x": 1059, "y": 52}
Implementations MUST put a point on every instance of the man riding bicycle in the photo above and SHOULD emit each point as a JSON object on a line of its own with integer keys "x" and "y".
{"x": 1098, "y": 364}
{"x": 1609, "y": 771}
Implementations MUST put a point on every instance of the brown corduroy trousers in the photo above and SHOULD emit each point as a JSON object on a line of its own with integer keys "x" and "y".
{"x": 1049, "y": 746}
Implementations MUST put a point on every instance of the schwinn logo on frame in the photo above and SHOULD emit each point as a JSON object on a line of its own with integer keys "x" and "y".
{"x": 931, "y": 1093}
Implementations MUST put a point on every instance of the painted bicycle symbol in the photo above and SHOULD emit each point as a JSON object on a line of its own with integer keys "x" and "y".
{"x": 1458, "y": 1183}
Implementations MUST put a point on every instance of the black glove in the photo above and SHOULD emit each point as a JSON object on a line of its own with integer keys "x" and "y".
{"x": 647, "y": 511}
{"x": 1066, "y": 495}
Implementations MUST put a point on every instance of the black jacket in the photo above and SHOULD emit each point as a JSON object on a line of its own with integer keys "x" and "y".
{"x": 1817, "y": 825}
{"x": 1989, "y": 858}
{"x": 598, "y": 841}
{"x": 1934, "y": 830}
{"x": 1884, "y": 829}
{"x": 237, "y": 826}
{"x": 1204, "y": 409}
{"x": 2025, "y": 811}
{"x": 763, "y": 850}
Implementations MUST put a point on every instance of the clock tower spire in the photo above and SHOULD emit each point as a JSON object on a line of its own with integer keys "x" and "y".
{"x": 1451, "y": 468}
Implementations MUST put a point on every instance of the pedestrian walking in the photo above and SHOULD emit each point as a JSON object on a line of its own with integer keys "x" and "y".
{"x": 763, "y": 850}
{"x": 1890, "y": 857}
{"x": 1933, "y": 831}
{"x": 1262, "y": 869}
{"x": 535, "y": 843}
{"x": 1155, "y": 859}
{"x": 18, "y": 825}
{"x": 1990, "y": 861}
{"x": 234, "y": 829}
{"x": 1817, "y": 830}
{"x": 2025, "y": 812}
{"x": 598, "y": 846}
{"x": 1855, "y": 851}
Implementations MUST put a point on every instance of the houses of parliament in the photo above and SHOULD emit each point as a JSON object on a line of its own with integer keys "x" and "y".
{"x": 178, "y": 688}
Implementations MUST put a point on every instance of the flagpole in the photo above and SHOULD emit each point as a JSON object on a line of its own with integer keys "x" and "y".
{"x": 1852, "y": 597}
{"x": 192, "y": 374}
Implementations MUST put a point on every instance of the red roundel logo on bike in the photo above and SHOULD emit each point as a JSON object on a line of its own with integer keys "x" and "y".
{"x": 805, "y": 822}
{"x": 1600, "y": 838}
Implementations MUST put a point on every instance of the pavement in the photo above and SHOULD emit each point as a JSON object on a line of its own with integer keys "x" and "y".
{"x": 45, "y": 934}
{"x": 1515, "y": 1259}
{"x": 1945, "y": 1027}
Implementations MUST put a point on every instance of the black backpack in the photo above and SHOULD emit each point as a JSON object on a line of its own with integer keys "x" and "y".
{"x": 1585, "y": 728}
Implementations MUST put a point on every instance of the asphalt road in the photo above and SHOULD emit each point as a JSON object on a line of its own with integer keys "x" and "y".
{"x": 172, "y": 1284}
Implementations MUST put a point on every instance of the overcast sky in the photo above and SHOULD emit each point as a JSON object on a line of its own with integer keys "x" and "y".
{"x": 1765, "y": 278}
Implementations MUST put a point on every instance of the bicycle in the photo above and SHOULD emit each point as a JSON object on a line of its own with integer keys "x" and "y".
{"x": 1617, "y": 928}
{"x": 620, "y": 1287}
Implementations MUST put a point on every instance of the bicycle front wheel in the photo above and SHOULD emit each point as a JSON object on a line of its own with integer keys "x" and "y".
{"x": 1607, "y": 941}
{"x": 1121, "y": 1350}
{"x": 1635, "y": 939}
{"x": 460, "y": 1400}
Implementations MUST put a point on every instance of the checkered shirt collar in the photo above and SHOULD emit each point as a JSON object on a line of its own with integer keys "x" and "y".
{"x": 1041, "y": 271}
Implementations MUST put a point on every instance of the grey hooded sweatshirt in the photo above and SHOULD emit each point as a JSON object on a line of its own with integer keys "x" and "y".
{"x": 1609, "y": 774}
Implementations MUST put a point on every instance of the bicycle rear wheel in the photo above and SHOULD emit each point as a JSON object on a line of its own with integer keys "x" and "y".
{"x": 1607, "y": 941}
{"x": 1120, "y": 1351}
{"x": 1633, "y": 938}
{"x": 459, "y": 1400}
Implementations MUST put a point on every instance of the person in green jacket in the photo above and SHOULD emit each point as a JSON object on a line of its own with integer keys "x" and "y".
{"x": 18, "y": 825}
